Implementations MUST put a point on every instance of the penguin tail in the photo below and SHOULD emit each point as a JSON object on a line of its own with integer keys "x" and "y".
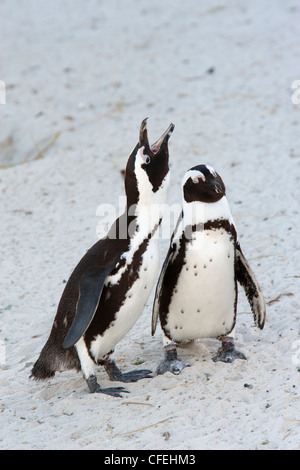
{"x": 52, "y": 359}
{"x": 43, "y": 367}
{"x": 41, "y": 372}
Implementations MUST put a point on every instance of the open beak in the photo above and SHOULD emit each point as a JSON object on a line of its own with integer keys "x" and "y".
{"x": 144, "y": 142}
{"x": 163, "y": 139}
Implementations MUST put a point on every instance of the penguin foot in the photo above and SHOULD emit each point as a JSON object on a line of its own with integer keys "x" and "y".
{"x": 171, "y": 363}
{"x": 134, "y": 376}
{"x": 94, "y": 387}
{"x": 127, "y": 377}
{"x": 228, "y": 353}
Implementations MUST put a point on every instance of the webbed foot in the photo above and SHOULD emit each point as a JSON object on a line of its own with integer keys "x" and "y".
{"x": 228, "y": 353}
{"x": 134, "y": 376}
{"x": 171, "y": 363}
{"x": 94, "y": 387}
{"x": 127, "y": 377}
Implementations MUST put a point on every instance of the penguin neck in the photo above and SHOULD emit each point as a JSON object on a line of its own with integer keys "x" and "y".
{"x": 147, "y": 206}
{"x": 143, "y": 218}
{"x": 197, "y": 212}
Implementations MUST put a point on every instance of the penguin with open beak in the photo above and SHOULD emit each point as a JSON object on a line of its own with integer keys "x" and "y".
{"x": 108, "y": 289}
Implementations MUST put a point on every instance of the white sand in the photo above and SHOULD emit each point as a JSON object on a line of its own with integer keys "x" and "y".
{"x": 91, "y": 71}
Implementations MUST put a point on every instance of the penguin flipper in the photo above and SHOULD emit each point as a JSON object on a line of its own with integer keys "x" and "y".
{"x": 246, "y": 278}
{"x": 90, "y": 289}
{"x": 155, "y": 310}
{"x": 169, "y": 257}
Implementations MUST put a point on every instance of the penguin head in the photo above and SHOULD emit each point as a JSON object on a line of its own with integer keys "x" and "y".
{"x": 147, "y": 170}
{"x": 202, "y": 183}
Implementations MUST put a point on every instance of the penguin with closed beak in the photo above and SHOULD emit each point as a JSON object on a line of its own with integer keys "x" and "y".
{"x": 196, "y": 294}
{"x": 108, "y": 289}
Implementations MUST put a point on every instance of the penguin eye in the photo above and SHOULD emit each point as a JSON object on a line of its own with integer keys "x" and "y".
{"x": 147, "y": 160}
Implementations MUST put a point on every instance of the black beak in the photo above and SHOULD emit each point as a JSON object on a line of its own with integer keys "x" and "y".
{"x": 218, "y": 187}
{"x": 163, "y": 139}
{"x": 144, "y": 142}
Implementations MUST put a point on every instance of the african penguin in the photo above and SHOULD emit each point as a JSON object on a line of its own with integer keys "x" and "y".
{"x": 196, "y": 294}
{"x": 108, "y": 289}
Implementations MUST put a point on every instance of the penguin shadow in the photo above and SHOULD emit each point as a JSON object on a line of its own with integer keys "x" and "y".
{"x": 67, "y": 385}
{"x": 197, "y": 350}
{"x": 191, "y": 352}
{"x": 64, "y": 386}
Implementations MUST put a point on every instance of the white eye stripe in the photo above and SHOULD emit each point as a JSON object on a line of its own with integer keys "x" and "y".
{"x": 192, "y": 174}
{"x": 146, "y": 158}
{"x": 196, "y": 175}
{"x": 199, "y": 176}
{"x": 212, "y": 170}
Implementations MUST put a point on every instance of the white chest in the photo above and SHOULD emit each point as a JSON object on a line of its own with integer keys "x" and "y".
{"x": 203, "y": 303}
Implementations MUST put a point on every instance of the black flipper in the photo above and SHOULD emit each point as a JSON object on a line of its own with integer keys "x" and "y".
{"x": 246, "y": 278}
{"x": 155, "y": 309}
{"x": 168, "y": 259}
{"x": 90, "y": 290}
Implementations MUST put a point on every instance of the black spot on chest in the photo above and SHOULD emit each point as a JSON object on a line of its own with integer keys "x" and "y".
{"x": 177, "y": 263}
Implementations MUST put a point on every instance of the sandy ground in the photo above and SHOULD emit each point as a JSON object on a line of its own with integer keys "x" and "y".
{"x": 80, "y": 76}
